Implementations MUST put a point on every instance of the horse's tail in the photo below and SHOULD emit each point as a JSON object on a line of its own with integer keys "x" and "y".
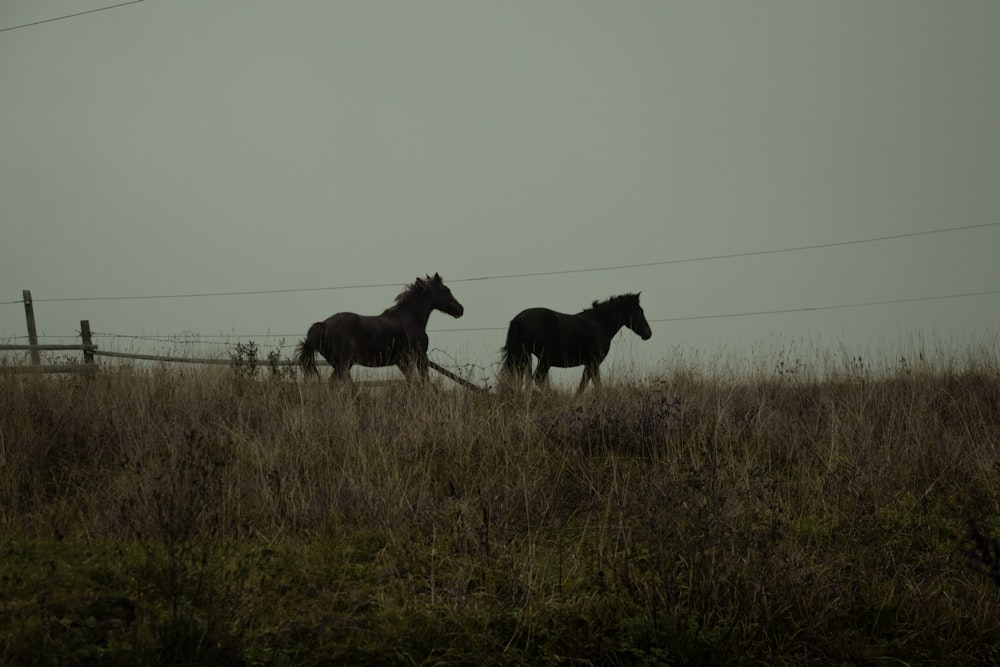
{"x": 306, "y": 350}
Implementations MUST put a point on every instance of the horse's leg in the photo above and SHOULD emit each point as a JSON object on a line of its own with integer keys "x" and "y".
{"x": 423, "y": 367}
{"x": 541, "y": 374}
{"x": 409, "y": 371}
{"x": 526, "y": 374}
{"x": 590, "y": 372}
{"x": 341, "y": 375}
{"x": 415, "y": 367}
{"x": 340, "y": 364}
{"x": 510, "y": 378}
{"x": 519, "y": 373}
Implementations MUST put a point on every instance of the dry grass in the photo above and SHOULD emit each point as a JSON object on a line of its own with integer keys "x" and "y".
{"x": 197, "y": 516}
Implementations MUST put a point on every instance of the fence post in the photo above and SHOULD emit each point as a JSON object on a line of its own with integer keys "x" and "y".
{"x": 88, "y": 353}
{"x": 29, "y": 315}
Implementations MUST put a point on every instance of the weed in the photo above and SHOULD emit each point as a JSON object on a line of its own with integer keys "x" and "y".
{"x": 279, "y": 369}
{"x": 165, "y": 516}
{"x": 246, "y": 364}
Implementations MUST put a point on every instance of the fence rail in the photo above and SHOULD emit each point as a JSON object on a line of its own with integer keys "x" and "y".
{"x": 48, "y": 368}
{"x": 89, "y": 351}
{"x": 48, "y": 348}
{"x": 168, "y": 359}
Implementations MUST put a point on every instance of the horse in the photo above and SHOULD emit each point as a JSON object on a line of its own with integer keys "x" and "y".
{"x": 565, "y": 341}
{"x": 397, "y": 337}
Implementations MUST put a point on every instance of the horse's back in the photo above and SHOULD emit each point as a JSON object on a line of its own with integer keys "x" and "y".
{"x": 546, "y": 319}
{"x": 342, "y": 320}
{"x": 352, "y": 325}
{"x": 537, "y": 329}
{"x": 537, "y": 316}
{"x": 566, "y": 340}
{"x": 536, "y": 321}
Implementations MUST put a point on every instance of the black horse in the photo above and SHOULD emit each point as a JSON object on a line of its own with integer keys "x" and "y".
{"x": 565, "y": 341}
{"x": 397, "y": 337}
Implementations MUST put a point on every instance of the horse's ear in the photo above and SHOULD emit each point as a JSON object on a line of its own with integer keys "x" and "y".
{"x": 437, "y": 278}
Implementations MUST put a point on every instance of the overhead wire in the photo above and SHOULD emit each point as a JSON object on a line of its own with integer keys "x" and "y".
{"x": 206, "y": 338}
{"x": 198, "y": 338}
{"x": 684, "y": 260}
{"x": 749, "y": 253}
{"x": 69, "y": 16}
{"x": 211, "y": 294}
{"x": 777, "y": 311}
{"x": 859, "y": 304}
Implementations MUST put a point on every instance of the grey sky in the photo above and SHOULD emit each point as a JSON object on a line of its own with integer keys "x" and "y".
{"x": 183, "y": 146}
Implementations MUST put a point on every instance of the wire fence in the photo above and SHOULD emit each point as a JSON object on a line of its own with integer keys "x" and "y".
{"x": 247, "y": 358}
{"x": 232, "y": 339}
{"x": 233, "y": 346}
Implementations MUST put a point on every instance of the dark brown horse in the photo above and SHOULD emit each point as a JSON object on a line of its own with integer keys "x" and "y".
{"x": 565, "y": 341}
{"x": 397, "y": 337}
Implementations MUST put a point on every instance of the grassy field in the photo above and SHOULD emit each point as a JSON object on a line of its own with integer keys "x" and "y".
{"x": 165, "y": 516}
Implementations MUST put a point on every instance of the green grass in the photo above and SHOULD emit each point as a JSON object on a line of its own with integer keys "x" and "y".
{"x": 202, "y": 517}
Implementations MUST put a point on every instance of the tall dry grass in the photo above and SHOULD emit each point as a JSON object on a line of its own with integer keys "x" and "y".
{"x": 783, "y": 516}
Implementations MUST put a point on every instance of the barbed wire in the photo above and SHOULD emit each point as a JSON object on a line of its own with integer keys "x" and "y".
{"x": 179, "y": 339}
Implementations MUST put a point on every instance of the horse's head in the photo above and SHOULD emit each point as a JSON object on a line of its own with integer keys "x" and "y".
{"x": 441, "y": 297}
{"x": 635, "y": 319}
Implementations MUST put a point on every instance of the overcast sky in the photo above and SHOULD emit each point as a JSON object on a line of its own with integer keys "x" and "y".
{"x": 175, "y": 147}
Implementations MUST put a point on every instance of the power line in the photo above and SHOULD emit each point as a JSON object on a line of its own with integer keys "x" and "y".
{"x": 69, "y": 16}
{"x": 859, "y": 304}
{"x": 778, "y": 311}
{"x": 209, "y": 294}
{"x": 199, "y": 338}
{"x": 749, "y": 253}
{"x": 734, "y": 255}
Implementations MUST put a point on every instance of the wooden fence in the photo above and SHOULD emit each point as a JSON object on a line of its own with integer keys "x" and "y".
{"x": 87, "y": 347}
{"x": 90, "y": 351}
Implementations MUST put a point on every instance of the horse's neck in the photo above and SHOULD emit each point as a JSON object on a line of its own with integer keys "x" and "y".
{"x": 414, "y": 313}
{"x": 609, "y": 320}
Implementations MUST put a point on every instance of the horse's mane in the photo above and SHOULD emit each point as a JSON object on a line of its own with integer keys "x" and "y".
{"x": 418, "y": 286}
{"x": 618, "y": 303}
